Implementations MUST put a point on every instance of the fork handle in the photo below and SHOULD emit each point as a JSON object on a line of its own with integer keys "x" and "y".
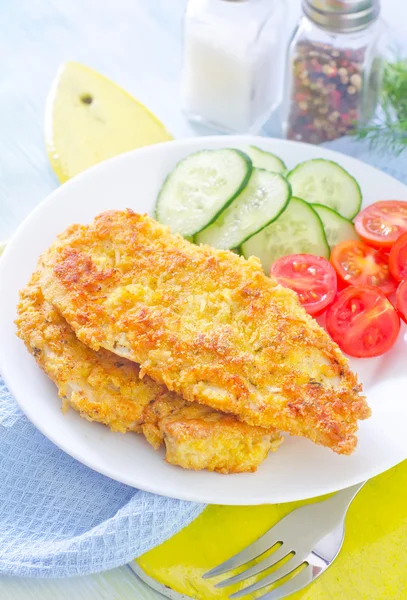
{"x": 343, "y": 498}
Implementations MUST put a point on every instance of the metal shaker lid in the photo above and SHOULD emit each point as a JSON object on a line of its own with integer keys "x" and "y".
{"x": 342, "y": 15}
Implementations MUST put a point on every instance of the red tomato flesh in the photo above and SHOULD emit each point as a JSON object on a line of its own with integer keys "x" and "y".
{"x": 398, "y": 258}
{"x": 359, "y": 264}
{"x": 363, "y": 322}
{"x": 381, "y": 223}
{"x": 312, "y": 277}
{"x": 401, "y": 300}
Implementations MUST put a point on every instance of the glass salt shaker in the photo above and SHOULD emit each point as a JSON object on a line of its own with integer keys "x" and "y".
{"x": 334, "y": 69}
{"x": 233, "y": 59}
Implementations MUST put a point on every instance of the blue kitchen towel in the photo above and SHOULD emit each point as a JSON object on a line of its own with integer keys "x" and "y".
{"x": 58, "y": 518}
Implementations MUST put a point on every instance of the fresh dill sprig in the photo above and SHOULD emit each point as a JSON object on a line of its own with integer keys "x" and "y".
{"x": 389, "y": 130}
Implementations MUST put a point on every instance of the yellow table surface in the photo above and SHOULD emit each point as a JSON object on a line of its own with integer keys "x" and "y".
{"x": 372, "y": 564}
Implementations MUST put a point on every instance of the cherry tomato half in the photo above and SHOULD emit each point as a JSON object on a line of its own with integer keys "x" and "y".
{"x": 359, "y": 264}
{"x": 381, "y": 223}
{"x": 363, "y": 322}
{"x": 401, "y": 300}
{"x": 398, "y": 258}
{"x": 312, "y": 277}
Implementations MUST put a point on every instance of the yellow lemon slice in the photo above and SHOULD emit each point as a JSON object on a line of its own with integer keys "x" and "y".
{"x": 370, "y": 565}
{"x": 89, "y": 119}
{"x": 2, "y": 246}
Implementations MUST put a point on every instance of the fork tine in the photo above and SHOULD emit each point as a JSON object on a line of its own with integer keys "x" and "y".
{"x": 290, "y": 587}
{"x": 282, "y": 571}
{"x": 261, "y": 545}
{"x": 271, "y": 560}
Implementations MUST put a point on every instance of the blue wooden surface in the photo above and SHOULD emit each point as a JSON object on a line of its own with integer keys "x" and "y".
{"x": 137, "y": 43}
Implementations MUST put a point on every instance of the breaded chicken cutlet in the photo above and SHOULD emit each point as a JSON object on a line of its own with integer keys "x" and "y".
{"x": 206, "y": 323}
{"x": 105, "y": 388}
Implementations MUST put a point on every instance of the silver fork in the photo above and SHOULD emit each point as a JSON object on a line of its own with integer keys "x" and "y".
{"x": 310, "y": 536}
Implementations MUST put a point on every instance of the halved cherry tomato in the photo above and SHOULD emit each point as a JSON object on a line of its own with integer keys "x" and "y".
{"x": 401, "y": 300}
{"x": 363, "y": 322}
{"x": 312, "y": 277}
{"x": 381, "y": 223}
{"x": 359, "y": 264}
{"x": 398, "y": 258}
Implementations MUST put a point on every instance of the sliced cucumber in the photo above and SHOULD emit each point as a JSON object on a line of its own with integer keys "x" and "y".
{"x": 298, "y": 230}
{"x": 320, "y": 181}
{"x": 265, "y": 160}
{"x": 200, "y": 187}
{"x": 261, "y": 202}
{"x": 337, "y": 228}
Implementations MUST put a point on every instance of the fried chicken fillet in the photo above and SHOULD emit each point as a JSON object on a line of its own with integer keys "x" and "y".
{"x": 105, "y": 388}
{"x": 206, "y": 323}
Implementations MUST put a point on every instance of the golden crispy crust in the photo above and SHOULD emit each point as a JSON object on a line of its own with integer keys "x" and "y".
{"x": 206, "y": 323}
{"x": 198, "y": 437}
{"x": 106, "y": 388}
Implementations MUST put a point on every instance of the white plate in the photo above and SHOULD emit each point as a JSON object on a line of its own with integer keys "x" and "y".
{"x": 299, "y": 469}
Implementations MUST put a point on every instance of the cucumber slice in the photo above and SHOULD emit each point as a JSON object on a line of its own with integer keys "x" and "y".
{"x": 265, "y": 160}
{"x": 200, "y": 187}
{"x": 337, "y": 228}
{"x": 320, "y": 181}
{"x": 298, "y": 230}
{"x": 261, "y": 202}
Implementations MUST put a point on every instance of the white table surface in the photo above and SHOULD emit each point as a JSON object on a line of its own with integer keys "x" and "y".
{"x": 137, "y": 43}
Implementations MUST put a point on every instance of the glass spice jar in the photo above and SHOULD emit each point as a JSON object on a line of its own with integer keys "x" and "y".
{"x": 334, "y": 69}
{"x": 233, "y": 59}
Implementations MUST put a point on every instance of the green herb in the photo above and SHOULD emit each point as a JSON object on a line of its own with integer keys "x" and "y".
{"x": 389, "y": 130}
